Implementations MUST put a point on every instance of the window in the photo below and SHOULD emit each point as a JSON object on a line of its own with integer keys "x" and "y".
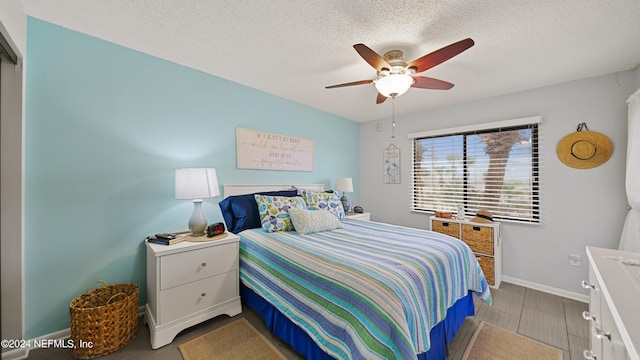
{"x": 481, "y": 168}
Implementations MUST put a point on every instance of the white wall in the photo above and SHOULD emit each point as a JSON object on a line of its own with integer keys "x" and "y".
{"x": 578, "y": 207}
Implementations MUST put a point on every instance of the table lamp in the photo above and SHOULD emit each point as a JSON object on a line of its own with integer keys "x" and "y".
{"x": 344, "y": 185}
{"x": 196, "y": 184}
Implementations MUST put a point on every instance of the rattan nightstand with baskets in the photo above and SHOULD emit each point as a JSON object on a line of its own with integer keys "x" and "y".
{"x": 483, "y": 239}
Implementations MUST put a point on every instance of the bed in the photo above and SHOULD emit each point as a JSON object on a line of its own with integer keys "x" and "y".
{"x": 362, "y": 290}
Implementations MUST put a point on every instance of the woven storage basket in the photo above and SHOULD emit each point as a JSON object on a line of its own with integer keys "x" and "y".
{"x": 446, "y": 227}
{"x": 479, "y": 238}
{"x": 106, "y": 318}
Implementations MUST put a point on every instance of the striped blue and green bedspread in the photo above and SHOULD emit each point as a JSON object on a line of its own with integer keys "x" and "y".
{"x": 367, "y": 291}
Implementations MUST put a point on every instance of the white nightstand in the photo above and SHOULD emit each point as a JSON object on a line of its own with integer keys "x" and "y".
{"x": 360, "y": 216}
{"x": 188, "y": 283}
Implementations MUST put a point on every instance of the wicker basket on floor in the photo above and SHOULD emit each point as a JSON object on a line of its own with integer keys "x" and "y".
{"x": 103, "y": 320}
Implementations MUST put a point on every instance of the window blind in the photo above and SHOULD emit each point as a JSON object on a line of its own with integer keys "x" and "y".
{"x": 495, "y": 169}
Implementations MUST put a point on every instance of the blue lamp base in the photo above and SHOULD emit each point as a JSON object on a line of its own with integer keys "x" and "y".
{"x": 345, "y": 203}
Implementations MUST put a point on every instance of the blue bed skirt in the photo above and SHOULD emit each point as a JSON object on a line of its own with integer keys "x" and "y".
{"x": 282, "y": 327}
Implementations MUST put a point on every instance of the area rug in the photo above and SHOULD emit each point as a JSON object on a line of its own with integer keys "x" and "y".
{"x": 238, "y": 340}
{"x": 493, "y": 343}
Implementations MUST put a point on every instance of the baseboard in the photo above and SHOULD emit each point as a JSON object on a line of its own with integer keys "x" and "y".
{"x": 15, "y": 354}
{"x": 23, "y": 353}
{"x": 548, "y": 289}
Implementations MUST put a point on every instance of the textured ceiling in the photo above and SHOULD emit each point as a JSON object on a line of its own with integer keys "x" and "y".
{"x": 294, "y": 48}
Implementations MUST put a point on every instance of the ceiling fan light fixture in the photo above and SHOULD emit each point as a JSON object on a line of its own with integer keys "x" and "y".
{"x": 397, "y": 84}
{"x": 395, "y": 75}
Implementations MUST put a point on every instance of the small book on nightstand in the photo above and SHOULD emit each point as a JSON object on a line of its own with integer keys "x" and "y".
{"x": 165, "y": 239}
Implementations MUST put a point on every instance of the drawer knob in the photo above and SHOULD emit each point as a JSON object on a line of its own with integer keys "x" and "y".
{"x": 203, "y": 294}
{"x": 587, "y": 285}
{"x": 588, "y": 316}
{"x": 203, "y": 264}
{"x": 589, "y": 355}
{"x": 599, "y": 333}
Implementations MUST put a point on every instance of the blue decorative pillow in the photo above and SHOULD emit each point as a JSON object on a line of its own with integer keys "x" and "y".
{"x": 324, "y": 201}
{"x": 312, "y": 221}
{"x": 274, "y": 211}
{"x": 240, "y": 212}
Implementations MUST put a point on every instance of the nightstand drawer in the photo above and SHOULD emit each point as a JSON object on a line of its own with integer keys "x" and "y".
{"x": 194, "y": 265}
{"x": 359, "y": 216}
{"x": 488, "y": 266}
{"x": 447, "y": 228}
{"x": 479, "y": 238}
{"x": 200, "y": 295}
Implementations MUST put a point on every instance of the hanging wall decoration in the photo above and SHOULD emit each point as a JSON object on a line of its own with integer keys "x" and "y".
{"x": 391, "y": 165}
{"x": 269, "y": 151}
{"x": 584, "y": 149}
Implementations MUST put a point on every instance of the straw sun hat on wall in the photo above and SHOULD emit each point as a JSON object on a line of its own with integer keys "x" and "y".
{"x": 584, "y": 149}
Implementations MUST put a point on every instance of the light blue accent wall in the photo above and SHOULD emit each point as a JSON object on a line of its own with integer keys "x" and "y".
{"x": 105, "y": 129}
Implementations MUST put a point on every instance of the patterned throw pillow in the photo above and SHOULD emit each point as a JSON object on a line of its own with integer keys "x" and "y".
{"x": 312, "y": 221}
{"x": 324, "y": 201}
{"x": 274, "y": 211}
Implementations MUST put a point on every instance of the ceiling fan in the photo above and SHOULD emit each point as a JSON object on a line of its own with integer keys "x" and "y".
{"x": 395, "y": 76}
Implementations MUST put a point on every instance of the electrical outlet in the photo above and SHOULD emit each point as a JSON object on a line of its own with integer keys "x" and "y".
{"x": 575, "y": 260}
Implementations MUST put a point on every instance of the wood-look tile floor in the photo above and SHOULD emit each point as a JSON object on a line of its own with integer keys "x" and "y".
{"x": 547, "y": 318}
{"x": 550, "y": 319}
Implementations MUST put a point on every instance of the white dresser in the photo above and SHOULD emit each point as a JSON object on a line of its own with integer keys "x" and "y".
{"x": 614, "y": 306}
{"x": 188, "y": 283}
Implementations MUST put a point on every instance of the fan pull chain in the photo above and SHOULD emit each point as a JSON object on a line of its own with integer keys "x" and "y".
{"x": 393, "y": 117}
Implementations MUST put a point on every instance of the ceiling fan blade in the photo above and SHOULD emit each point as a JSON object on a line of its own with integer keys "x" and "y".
{"x": 439, "y": 56}
{"x": 380, "y": 99}
{"x": 361, "y": 82}
{"x": 424, "y": 82}
{"x": 370, "y": 56}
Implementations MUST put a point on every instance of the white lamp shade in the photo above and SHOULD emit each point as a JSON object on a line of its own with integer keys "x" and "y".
{"x": 397, "y": 84}
{"x": 196, "y": 183}
{"x": 344, "y": 185}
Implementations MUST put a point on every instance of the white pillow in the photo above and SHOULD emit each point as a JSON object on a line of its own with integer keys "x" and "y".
{"x": 311, "y": 221}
